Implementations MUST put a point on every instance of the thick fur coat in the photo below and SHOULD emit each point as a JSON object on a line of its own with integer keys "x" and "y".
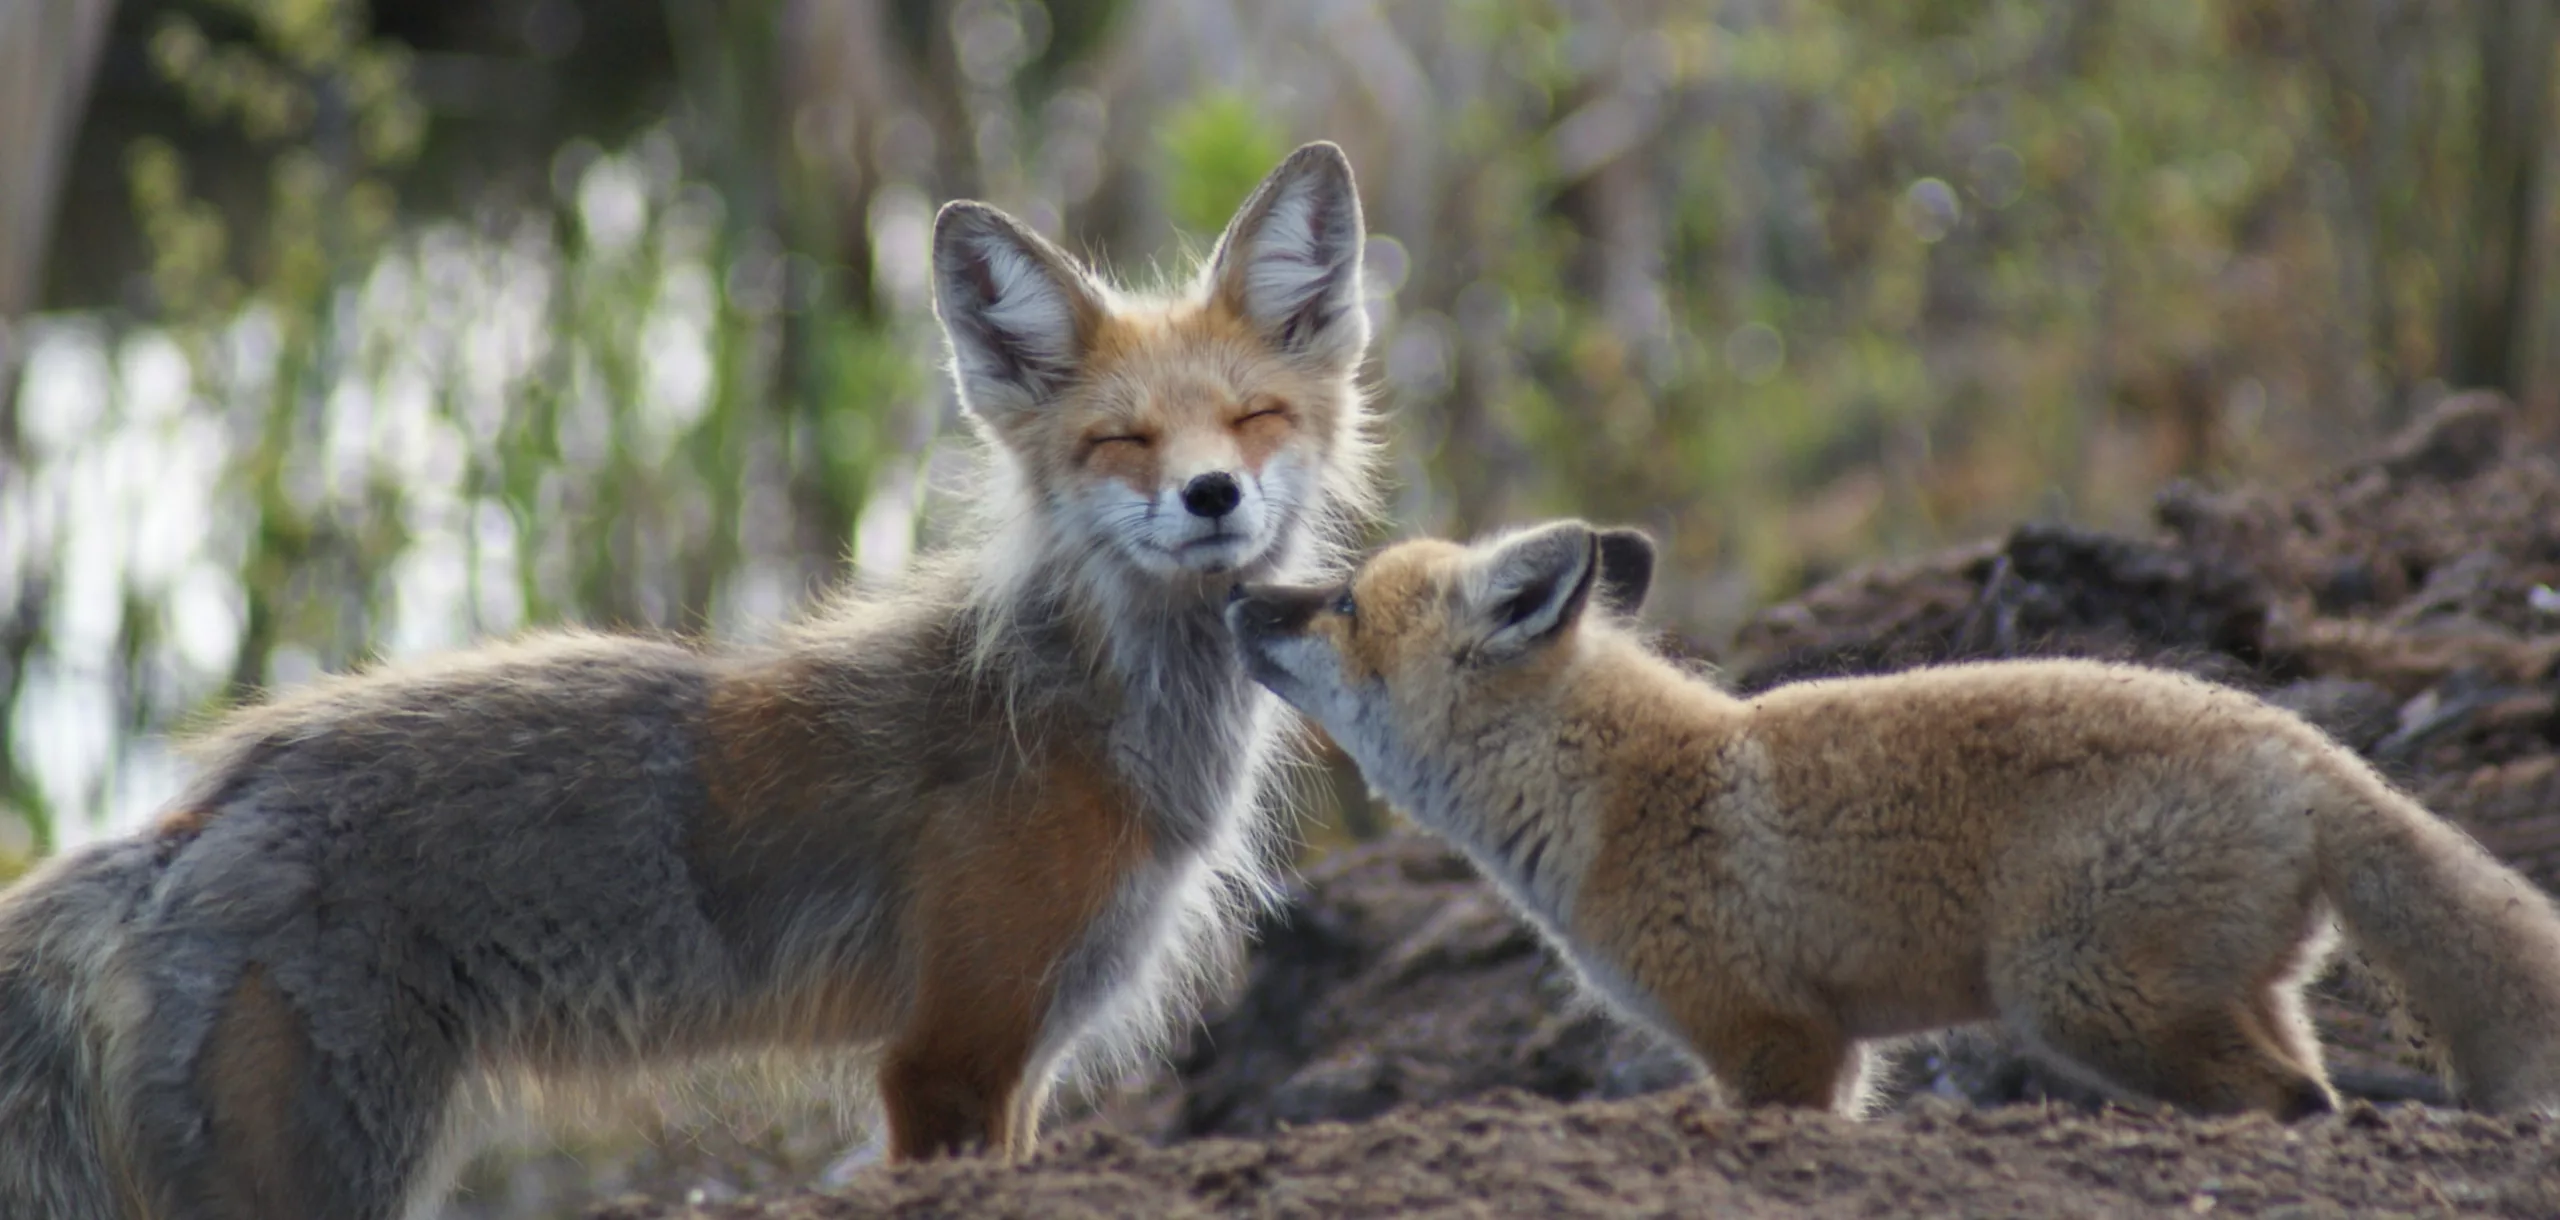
{"x": 975, "y": 828}
{"x": 2134, "y": 870}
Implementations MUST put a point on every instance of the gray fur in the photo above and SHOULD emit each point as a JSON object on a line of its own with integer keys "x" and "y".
{"x": 58, "y": 930}
{"x": 512, "y": 862}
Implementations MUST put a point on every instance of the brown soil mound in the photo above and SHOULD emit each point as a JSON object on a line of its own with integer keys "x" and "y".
{"x": 2406, "y": 603}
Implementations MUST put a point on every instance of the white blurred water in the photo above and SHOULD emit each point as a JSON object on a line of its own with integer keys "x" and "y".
{"x": 134, "y": 500}
{"x": 122, "y": 505}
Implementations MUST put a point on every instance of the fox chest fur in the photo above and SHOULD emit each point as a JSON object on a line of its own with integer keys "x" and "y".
{"x": 1079, "y": 823}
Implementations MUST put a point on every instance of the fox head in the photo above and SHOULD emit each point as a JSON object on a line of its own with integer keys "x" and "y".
{"x": 1196, "y": 437}
{"x": 1428, "y": 631}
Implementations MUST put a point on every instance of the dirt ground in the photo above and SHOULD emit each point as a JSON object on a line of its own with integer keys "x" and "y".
{"x": 1402, "y": 1046}
{"x": 1681, "y": 1153}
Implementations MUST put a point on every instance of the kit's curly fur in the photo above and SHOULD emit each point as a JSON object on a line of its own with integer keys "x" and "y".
{"x": 976, "y": 828}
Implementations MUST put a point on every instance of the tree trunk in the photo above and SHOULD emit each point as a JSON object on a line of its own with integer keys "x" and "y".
{"x": 2486, "y": 344}
{"x": 48, "y": 52}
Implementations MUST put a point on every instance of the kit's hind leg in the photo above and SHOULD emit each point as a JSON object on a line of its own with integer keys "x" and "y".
{"x": 2205, "y": 1039}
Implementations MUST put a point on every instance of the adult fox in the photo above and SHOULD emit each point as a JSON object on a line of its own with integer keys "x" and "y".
{"x": 978, "y": 826}
{"x": 2134, "y": 870}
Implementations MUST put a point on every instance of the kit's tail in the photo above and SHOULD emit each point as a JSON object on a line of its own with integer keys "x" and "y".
{"x": 2473, "y": 946}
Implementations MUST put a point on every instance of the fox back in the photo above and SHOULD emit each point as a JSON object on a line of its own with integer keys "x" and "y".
{"x": 975, "y": 828}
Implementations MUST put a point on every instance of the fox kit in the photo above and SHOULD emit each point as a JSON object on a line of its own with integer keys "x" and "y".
{"x": 2134, "y": 870}
{"x": 974, "y": 827}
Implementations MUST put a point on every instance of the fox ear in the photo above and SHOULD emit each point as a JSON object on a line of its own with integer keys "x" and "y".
{"x": 1289, "y": 264}
{"x": 1626, "y": 569}
{"x": 1016, "y": 310}
{"x": 1534, "y": 585}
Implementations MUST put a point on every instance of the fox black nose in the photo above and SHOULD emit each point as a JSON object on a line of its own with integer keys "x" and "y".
{"x": 1212, "y": 495}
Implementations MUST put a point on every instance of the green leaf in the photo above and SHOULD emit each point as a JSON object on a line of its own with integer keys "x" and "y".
{"x": 1215, "y": 149}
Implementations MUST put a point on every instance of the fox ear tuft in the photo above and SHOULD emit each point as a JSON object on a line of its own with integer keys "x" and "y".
{"x": 1016, "y": 310}
{"x": 1289, "y": 263}
{"x": 1534, "y": 585}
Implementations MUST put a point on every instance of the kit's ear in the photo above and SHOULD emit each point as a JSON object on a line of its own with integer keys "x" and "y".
{"x": 1532, "y": 586}
{"x": 1626, "y": 569}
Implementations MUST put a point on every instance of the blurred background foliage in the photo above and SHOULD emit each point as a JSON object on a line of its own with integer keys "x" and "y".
{"x": 362, "y": 329}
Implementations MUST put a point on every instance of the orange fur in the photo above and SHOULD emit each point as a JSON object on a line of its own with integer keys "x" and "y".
{"x": 1001, "y": 907}
{"x": 770, "y": 770}
{"x": 1173, "y": 385}
{"x": 2136, "y": 871}
{"x": 185, "y": 822}
{"x": 252, "y": 1067}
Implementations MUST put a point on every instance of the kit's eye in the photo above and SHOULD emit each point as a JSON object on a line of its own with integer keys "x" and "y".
{"x": 1344, "y": 606}
{"x": 1120, "y": 438}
